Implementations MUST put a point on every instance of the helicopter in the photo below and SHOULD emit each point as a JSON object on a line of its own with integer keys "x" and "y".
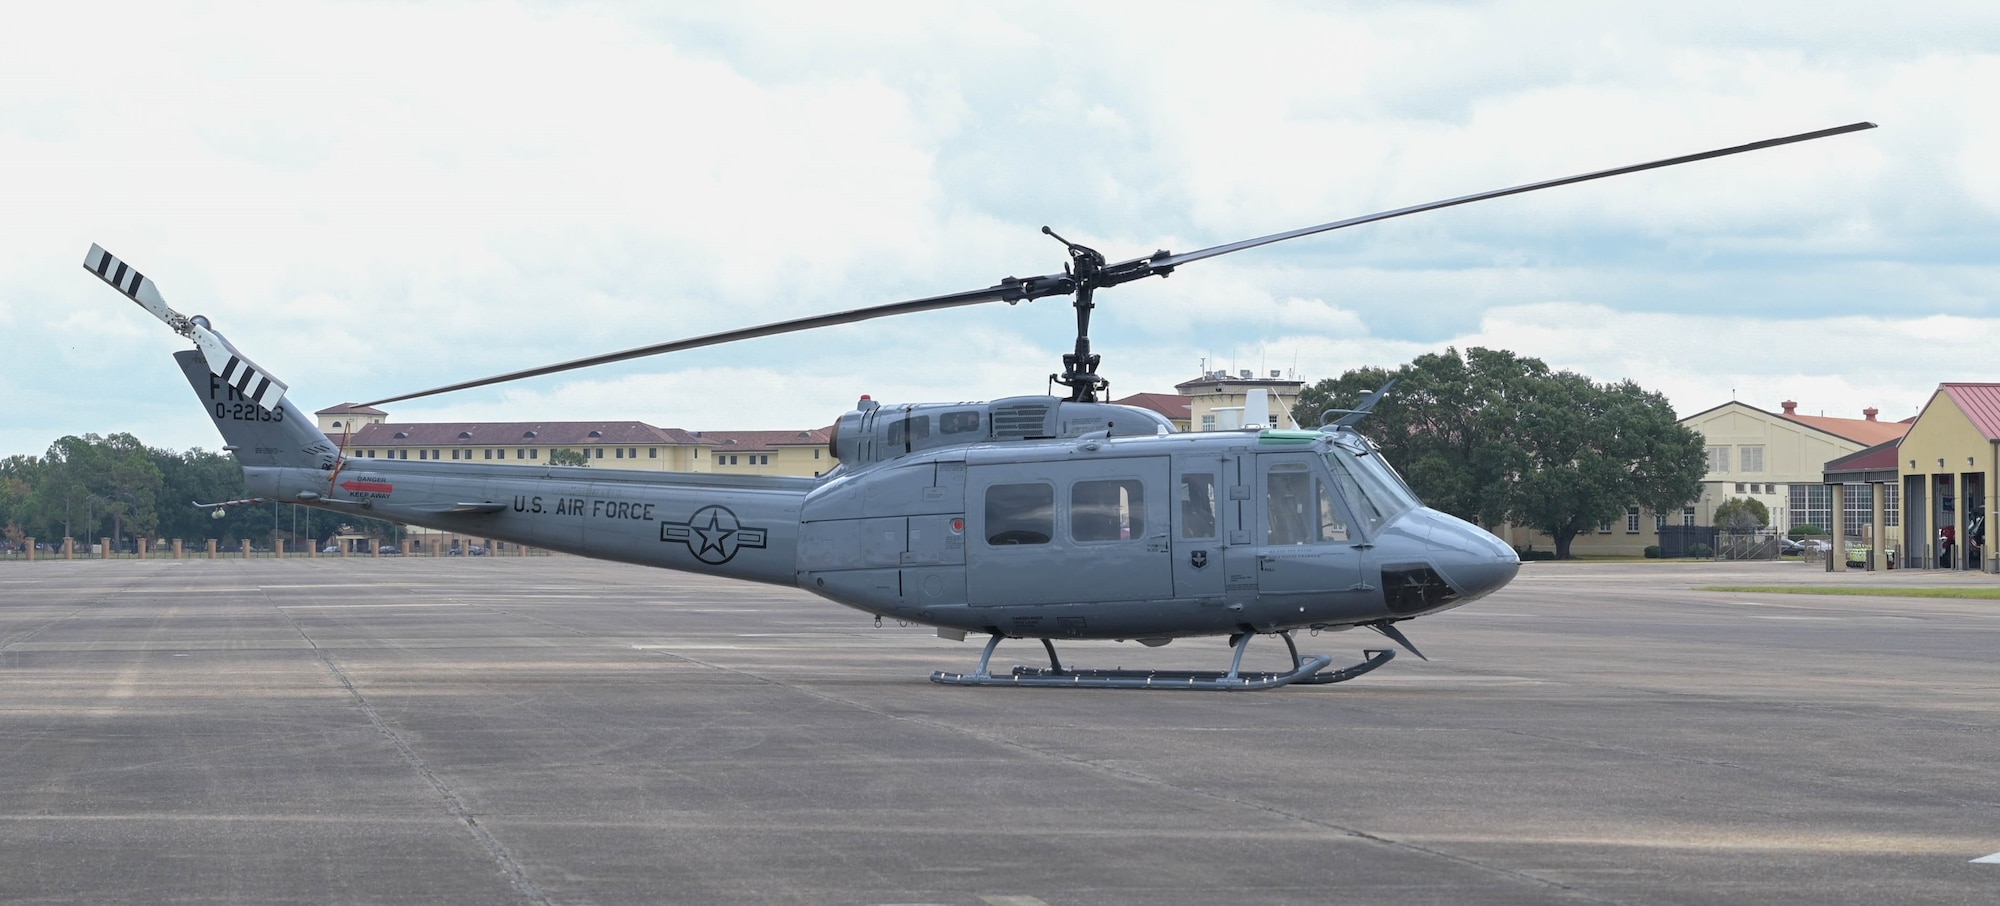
{"x": 1031, "y": 517}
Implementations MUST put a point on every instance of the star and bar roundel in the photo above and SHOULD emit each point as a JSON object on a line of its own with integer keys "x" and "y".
{"x": 713, "y": 534}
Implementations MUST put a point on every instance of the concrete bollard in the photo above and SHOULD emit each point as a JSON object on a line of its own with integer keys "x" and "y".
{"x": 278, "y": 547}
{"x": 246, "y": 548}
{"x": 105, "y": 546}
{"x": 31, "y": 550}
{"x": 211, "y": 548}
{"x": 69, "y": 548}
{"x": 177, "y": 548}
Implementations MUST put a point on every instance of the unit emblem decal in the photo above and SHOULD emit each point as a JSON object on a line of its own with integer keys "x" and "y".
{"x": 1198, "y": 559}
{"x": 713, "y": 535}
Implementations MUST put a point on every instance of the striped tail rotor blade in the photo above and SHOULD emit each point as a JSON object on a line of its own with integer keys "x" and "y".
{"x": 238, "y": 372}
{"x": 127, "y": 279}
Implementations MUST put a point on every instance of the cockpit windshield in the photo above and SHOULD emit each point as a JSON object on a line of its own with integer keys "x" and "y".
{"x": 1376, "y": 493}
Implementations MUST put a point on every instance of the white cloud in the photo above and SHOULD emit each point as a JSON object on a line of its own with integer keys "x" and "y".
{"x": 373, "y": 198}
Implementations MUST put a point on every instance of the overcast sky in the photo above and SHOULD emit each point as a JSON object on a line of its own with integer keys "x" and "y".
{"x": 375, "y": 198}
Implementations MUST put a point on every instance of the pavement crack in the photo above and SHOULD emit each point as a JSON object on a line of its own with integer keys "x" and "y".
{"x": 516, "y": 875}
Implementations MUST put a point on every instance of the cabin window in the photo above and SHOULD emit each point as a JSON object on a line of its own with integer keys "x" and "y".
{"x": 1107, "y": 510}
{"x": 1020, "y": 513}
{"x": 958, "y": 422}
{"x": 1197, "y": 506}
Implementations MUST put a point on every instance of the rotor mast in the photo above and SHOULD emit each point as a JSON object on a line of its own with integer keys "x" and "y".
{"x": 1086, "y": 272}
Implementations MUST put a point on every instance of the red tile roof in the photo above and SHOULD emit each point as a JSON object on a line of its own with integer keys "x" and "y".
{"x": 1980, "y": 403}
{"x": 1865, "y": 431}
{"x": 347, "y": 408}
{"x": 1171, "y": 405}
{"x": 509, "y": 434}
{"x": 761, "y": 441}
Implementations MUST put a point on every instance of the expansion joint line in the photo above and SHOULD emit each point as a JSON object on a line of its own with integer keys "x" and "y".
{"x": 453, "y": 804}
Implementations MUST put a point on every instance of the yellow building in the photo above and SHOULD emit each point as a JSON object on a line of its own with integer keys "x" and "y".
{"x": 1217, "y": 401}
{"x": 1774, "y": 458}
{"x": 366, "y": 433}
{"x": 1949, "y": 469}
{"x": 804, "y": 453}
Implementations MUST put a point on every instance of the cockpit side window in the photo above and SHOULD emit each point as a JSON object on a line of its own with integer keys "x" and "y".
{"x": 1299, "y": 507}
{"x": 1374, "y": 493}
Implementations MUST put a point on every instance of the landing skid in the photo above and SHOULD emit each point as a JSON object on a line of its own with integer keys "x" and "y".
{"x": 1305, "y": 670}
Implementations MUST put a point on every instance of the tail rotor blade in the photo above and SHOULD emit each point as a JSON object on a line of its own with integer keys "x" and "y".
{"x": 224, "y": 361}
{"x": 127, "y": 279}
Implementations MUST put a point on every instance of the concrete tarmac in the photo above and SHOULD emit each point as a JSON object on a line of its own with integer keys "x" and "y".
{"x": 555, "y": 730}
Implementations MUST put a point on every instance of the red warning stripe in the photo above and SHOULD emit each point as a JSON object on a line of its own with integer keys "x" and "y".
{"x": 368, "y": 487}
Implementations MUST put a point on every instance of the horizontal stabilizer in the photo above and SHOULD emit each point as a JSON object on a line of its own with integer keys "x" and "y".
{"x": 463, "y": 508}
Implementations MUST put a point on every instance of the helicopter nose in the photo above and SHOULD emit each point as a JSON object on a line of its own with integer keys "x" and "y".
{"x": 1478, "y": 563}
{"x": 1481, "y": 576}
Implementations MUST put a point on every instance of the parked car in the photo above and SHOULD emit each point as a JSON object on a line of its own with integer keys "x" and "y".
{"x": 1791, "y": 547}
{"x": 390, "y": 550}
{"x": 330, "y": 549}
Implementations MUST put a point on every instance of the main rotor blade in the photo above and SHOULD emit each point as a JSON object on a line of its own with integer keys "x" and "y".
{"x": 1173, "y": 260}
{"x": 1009, "y": 290}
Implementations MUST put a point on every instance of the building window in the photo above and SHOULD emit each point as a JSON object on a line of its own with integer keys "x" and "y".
{"x": 1631, "y": 520}
{"x": 652, "y": 452}
{"x": 500, "y": 453}
{"x": 1739, "y": 487}
{"x": 1604, "y": 528}
{"x": 599, "y": 454}
{"x": 620, "y": 454}
{"x": 1718, "y": 460}
{"x": 1811, "y": 504}
{"x": 1752, "y": 458}
{"x": 1659, "y": 521}
{"x": 489, "y": 452}
{"x": 534, "y": 453}
{"x": 1208, "y": 422}
{"x": 1687, "y": 516}
{"x": 631, "y": 452}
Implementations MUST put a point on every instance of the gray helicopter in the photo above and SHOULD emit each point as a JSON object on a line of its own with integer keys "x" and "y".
{"x": 1033, "y": 517}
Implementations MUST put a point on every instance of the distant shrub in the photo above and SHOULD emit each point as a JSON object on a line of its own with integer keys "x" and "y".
{"x": 1652, "y": 552}
{"x": 1800, "y": 532}
{"x": 1532, "y": 554}
{"x": 1701, "y": 551}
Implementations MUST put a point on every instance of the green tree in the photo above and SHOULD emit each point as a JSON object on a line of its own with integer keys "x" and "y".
{"x": 197, "y": 476}
{"x": 566, "y": 457}
{"x": 1494, "y": 437}
{"x": 17, "y": 483}
{"x": 1739, "y": 515}
{"x": 130, "y": 484}
{"x": 62, "y": 496}
{"x": 1594, "y": 449}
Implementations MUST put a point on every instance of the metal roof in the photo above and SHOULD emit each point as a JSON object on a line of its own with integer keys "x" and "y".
{"x": 1980, "y": 403}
